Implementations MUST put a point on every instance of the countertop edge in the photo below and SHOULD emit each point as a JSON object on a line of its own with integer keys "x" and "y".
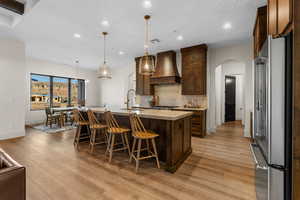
{"x": 145, "y": 115}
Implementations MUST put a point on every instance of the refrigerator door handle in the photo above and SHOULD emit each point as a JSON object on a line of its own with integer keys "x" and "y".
{"x": 257, "y": 164}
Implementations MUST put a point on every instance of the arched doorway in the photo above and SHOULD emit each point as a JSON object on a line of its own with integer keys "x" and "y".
{"x": 225, "y": 111}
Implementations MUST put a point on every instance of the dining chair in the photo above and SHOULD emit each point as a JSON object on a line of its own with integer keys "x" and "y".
{"x": 97, "y": 129}
{"x": 52, "y": 117}
{"x": 113, "y": 131}
{"x": 140, "y": 134}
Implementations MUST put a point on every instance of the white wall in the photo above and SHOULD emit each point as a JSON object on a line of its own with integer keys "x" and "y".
{"x": 12, "y": 88}
{"x": 240, "y": 104}
{"x": 50, "y": 68}
{"x": 218, "y": 86}
{"x": 218, "y": 56}
{"x": 113, "y": 91}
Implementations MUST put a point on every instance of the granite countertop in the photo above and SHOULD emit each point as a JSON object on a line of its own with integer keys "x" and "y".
{"x": 147, "y": 113}
{"x": 180, "y": 108}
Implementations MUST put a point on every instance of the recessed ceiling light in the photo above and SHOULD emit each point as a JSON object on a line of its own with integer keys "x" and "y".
{"x": 179, "y": 37}
{"x": 121, "y": 52}
{"x": 227, "y": 26}
{"x": 76, "y": 35}
{"x": 147, "y": 4}
{"x": 105, "y": 22}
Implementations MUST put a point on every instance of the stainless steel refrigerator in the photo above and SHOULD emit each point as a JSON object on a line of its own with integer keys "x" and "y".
{"x": 272, "y": 149}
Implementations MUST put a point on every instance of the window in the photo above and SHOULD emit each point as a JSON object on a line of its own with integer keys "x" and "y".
{"x": 60, "y": 96}
{"x": 51, "y": 91}
{"x": 40, "y": 92}
{"x": 74, "y": 92}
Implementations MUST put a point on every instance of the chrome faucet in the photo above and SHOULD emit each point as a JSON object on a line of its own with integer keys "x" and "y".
{"x": 128, "y": 100}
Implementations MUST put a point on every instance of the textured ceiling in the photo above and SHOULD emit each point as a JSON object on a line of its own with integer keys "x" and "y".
{"x": 49, "y": 27}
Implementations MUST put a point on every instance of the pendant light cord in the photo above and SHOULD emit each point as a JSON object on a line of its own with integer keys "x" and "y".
{"x": 146, "y": 48}
{"x": 104, "y": 47}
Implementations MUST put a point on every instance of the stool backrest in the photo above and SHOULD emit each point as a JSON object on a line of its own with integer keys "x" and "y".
{"x": 111, "y": 122}
{"x": 92, "y": 118}
{"x": 78, "y": 116}
{"x": 136, "y": 123}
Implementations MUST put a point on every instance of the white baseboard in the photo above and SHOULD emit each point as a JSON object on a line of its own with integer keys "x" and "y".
{"x": 9, "y": 134}
{"x": 210, "y": 130}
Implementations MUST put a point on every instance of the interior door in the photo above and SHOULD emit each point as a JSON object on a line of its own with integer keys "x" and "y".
{"x": 230, "y": 93}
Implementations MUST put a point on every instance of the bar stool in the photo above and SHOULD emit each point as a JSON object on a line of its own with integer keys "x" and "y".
{"x": 80, "y": 122}
{"x": 115, "y": 130}
{"x": 140, "y": 133}
{"x": 96, "y": 127}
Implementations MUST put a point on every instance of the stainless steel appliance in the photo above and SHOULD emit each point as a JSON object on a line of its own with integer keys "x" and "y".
{"x": 272, "y": 120}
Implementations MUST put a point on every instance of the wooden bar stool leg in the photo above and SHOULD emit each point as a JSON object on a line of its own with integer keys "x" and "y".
{"x": 78, "y": 136}
{"x": 90, "y": 145}
{"x": 138, "y": 156}
{"x": 108, "y": 144}
{"x": 155, "y": 152}
{"x": 111, "y": 147}
{"x": 75, "y": 138}
{"x": 127, "y": 144}
{"x": 132, "y": 151}
{"x": 92, "y": 139}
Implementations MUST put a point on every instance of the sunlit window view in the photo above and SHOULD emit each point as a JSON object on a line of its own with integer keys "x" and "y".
{"x": 60, "y": 92}
{"x": 40, "y": 92}
{"x": 74, "y": 92}
{"x": 51, "y": 91}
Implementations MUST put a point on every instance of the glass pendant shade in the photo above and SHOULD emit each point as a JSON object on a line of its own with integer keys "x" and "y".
{"x": 147, "y": 65}
{"x": 104, "y": 71}
{"x": 147, "y": 62}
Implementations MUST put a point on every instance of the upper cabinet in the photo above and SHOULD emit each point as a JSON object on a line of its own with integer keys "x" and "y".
{"x": 260, "y": 32}
{"x": 143, "y": 86}
{"x": 194, "y": 63}
{"x": 280, "y": 17}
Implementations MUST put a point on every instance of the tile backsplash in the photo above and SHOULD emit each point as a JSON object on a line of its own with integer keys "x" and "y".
{"x": 170, "y": 95}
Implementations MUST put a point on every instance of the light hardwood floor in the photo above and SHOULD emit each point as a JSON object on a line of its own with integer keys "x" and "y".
{"x": 219, "y": 168}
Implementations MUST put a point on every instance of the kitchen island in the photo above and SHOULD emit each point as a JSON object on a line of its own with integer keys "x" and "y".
{"x": 173, "y": 127}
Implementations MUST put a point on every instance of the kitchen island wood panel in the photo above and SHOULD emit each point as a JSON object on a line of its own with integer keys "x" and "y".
{"x": 174, "y": 141}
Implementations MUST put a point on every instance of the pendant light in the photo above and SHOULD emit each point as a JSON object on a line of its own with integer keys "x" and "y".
{"x": 147, "y": 62}
{"x": 104, "y": 71}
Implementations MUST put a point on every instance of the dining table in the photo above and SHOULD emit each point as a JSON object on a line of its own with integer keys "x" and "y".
{"x": 64, "y": 112}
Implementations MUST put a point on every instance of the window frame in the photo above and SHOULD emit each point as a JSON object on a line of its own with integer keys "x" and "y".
{"x": 83, "y": 89}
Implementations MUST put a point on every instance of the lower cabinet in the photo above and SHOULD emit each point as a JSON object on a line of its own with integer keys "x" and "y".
{"x": 199, "y": 124}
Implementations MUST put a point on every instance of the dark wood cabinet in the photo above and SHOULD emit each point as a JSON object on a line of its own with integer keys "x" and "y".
{"x": 143, "y": 86}
{"x": 280, "y": 17}
{"x": 260, "y": 32}
{"x": 194, "y": 64}
{"x": 199, "y": 124}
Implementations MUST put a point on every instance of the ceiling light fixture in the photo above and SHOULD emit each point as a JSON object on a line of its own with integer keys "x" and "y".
{"x": 179, "y": 37}
{"x": 104, "y": 71}
{"x": 121, "y": 52}
{"x": 76, "y": 35}
{"x": 147, "y": 63}
{"x": 147, "y": 4}
{"x": 227, "y": 26}
{"x": 105, "y": 23}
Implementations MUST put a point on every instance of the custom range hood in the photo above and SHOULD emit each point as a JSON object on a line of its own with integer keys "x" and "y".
{"x": 166, "y": 71}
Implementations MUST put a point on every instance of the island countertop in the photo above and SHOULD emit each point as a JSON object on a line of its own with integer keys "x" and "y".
{"x": 171, "y": 115}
